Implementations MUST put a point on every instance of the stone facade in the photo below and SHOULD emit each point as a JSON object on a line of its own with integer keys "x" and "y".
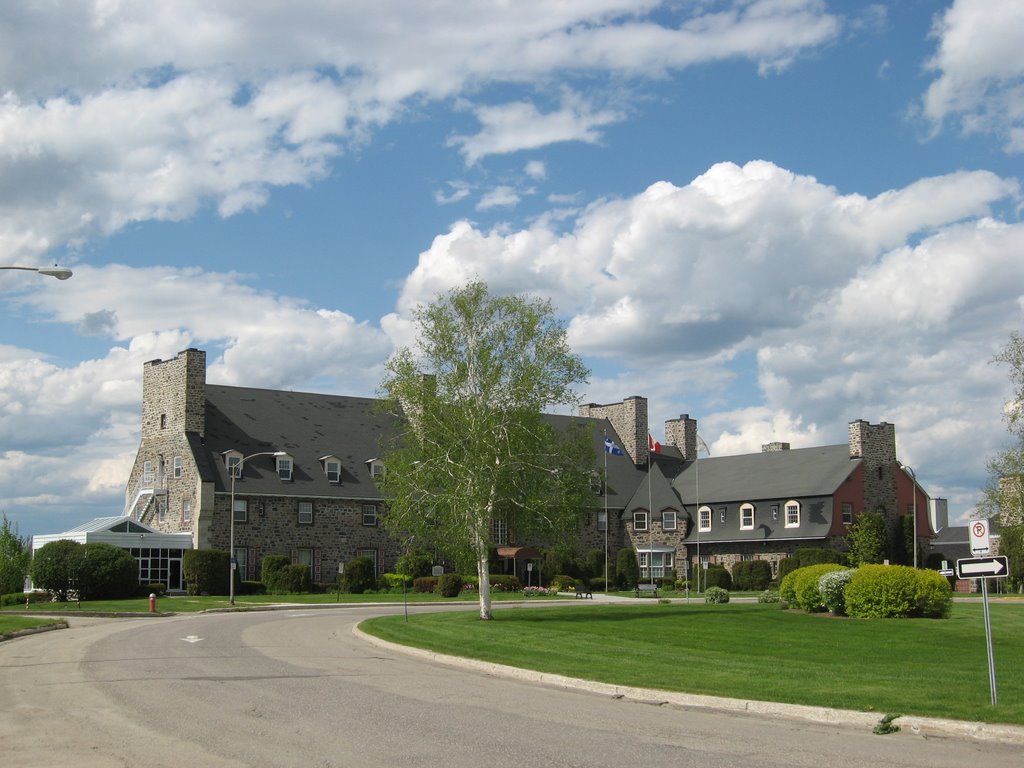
{"x": 875, "y": 444}
{"x": 682, "y": 433}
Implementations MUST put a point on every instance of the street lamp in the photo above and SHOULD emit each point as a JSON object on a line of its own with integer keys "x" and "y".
{"x": 914, "y": 492}
{"x": 61, "y": 273}
{"x": 235, "y": 470}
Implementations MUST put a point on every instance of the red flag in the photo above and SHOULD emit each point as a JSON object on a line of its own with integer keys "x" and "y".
{"x": 653, "y": 444}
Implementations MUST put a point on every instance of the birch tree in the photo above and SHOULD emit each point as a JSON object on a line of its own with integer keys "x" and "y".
{"x": 476, "y": 449}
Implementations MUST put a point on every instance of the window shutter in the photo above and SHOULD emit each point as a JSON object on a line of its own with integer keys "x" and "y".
{"x": 295, "y": 556}
{"x": 316, "y": 565}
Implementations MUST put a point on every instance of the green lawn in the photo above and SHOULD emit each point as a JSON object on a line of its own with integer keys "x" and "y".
{"x": 10, "y": 624}
{"x": 937, "y": 668}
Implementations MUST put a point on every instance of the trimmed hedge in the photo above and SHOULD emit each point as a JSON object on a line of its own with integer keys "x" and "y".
{"x": 717, "y": 576}
{"x": 425, "y": 584}
{"x": 449, "y": 584}
{"x": 897, "y": 591}
{"x": 206, "y": 571}
{"x": 752, "y": 575}
{"x": 360, "y": 576}
{"x": 800, "y": 588}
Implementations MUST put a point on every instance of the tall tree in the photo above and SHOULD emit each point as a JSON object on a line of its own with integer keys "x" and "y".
{"x": 476, "y": 450}
{"x": 15, "y": 554}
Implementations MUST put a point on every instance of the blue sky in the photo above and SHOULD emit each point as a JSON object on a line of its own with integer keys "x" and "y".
{"x": 777, "y": 216}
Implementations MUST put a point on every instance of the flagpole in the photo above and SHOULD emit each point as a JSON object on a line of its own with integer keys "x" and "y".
{"x": 606, "y": 521}
{"x": 650, "y": 512}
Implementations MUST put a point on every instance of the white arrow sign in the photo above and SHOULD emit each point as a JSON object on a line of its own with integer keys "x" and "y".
{"x": 192, "y": 639}
{"x": 982, "y": 567}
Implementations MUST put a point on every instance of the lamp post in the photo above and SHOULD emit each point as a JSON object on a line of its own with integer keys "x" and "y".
{"x": 235, "y": 470}
{"x": 61, "y": 273}
{"x": 914, "y": 492}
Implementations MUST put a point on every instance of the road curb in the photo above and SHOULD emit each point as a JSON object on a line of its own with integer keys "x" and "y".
{"x": 33, "y": 630}
{"x": 921, "y": 726}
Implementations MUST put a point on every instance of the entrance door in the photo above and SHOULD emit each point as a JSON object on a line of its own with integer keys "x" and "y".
{"x": 174, "y": 580}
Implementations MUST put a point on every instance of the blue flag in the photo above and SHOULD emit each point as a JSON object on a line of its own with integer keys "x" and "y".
{"x": 611, "y": 447}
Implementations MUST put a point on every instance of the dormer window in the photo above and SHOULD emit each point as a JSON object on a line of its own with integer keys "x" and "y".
{"x": 704, "y": 519}
{"x": 284, "y": 467}
{"x": 332, "y": 468}
{"x": 233, "y": 461}
{"x": 376, "y": 468}
{"x": 747, "y": 517}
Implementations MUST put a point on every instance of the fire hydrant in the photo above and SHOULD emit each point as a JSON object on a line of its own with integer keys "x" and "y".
{"x": 152, "y": 603}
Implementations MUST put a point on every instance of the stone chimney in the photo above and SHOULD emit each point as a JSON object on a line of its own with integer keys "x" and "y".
{"x": 682, "y": 433}
{"x": 174, "y": 394}
{"x": 629, "y": 419}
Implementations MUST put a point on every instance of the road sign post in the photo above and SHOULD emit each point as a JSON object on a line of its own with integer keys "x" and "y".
{"x": 979, "y": 531}
{"x": 984, "y": 568}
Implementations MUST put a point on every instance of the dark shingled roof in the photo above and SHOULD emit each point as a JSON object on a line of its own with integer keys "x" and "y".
{"x": 800, "y": 472}
{"x": 306, "y": 426}
{"x": 310, "y": 426}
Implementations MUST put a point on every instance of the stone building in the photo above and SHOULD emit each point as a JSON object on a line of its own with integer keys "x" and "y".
{"x": 306, "y": 468}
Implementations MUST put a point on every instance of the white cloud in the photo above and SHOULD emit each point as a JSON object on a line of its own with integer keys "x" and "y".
{"x": 980, "y": 70}
{"x": 886, "y": 308}
{"x": 502, "y": 196}
{"x": 512, "y": 127}
{"x": 123, "y": 112}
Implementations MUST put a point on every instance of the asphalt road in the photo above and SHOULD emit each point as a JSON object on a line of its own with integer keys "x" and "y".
{"x": 297, "y": 688}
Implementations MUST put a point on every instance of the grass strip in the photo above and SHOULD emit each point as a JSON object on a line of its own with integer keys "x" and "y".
{"x": 935, "y": 668}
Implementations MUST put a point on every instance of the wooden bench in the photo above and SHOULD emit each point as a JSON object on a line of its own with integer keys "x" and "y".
{"x": 647, "y": 589}
{"x": 583, "y": 590}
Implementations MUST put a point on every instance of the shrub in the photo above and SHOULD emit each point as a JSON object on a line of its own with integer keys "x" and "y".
{"x": 769, "y": 596}
{"x": 897, "y": 591}
{"x": 271, "y": 564}
{"x": 868, "y": 539}
{"x": 359, "y": 576}
{"x": 786, "y": 566}
{"x": 563, "y": 583}
{"x": 449, "y": 585}
{"x": 627, "y": 570}
{"x": 394, "y": 582}
{"x": 536, "y": 591}
{"x": 20, "y": 598}
{"x": 415, "y": 563}
{"x": 831, "y": 585}
{"x": 818, "y": 556}
{"x": 752, "y": 575}
{"x": 500, "y": 582}
{"x": 597, "y": 584}
{"x": 425, "y": 584}
{"x": 206, "y": 571}
{"x": 716, "y": 595}
{"x": 107, "y": 572}
{"x": 153, "y": 588}
{"x": 594, "y": 563}
{"x": 252, "y": 588}
{"x": 717, "y": 576}
{"x": 805, "y": 585}
{"x": 667, "y": 583}
{"x": 292, "y": 579}
{"x": 55, "y": 568}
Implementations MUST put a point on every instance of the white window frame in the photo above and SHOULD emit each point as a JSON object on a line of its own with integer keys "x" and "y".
{"x": 241, "y": 511}
{"x": 602, "y": 520}
{"x": 847, "y": 512}
{"x": 792, "y": 514}
{"x": 179, "y": 466}
{"x": 284, "y": 467}
{"x": 233, "y": 462}
{"x": 637, "y": 518}
{"x": 148, "y": 475}
{"x": 241, "y": 561}
{"x": 704, "y": 525}
{"x": 161, "y": 510}
{"x": 332, "y": 468}
{"x": 376, "y": 468}
{"x": 668, "y": 520}
{"x": 186, "y": 511}
{"x": 746, "y": 517}
{"x": 499, "y": 531}
{"x": 369, "y": 515}
{"x": 305, "y": 513}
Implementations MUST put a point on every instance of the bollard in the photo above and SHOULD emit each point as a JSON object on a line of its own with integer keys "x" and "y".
{"x": 152, "y": 603}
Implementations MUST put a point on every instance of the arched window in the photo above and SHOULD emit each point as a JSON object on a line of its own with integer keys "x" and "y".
{"x": 746, "y": 517}
{"x": 704, "y": 519}
{"x": 792, "y": 514}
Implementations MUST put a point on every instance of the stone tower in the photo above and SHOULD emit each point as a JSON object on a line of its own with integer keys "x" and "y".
{"x": 629, "y": 418}
{"x": 876, "y": 445}
{"x": 174, "y": 394}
